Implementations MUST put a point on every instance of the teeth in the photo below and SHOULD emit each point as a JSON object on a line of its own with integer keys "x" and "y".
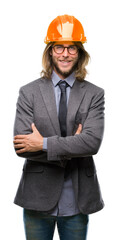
{"x": 65, "y": 61}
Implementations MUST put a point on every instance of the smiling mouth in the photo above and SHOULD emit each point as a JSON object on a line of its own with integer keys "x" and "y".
{"x": 65, "y": 62}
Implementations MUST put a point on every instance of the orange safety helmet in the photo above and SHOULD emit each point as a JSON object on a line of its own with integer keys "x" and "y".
{"x": 65, "y": 28}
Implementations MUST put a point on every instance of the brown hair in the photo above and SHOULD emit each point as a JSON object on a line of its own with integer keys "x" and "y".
{"x": 80, "y": 71}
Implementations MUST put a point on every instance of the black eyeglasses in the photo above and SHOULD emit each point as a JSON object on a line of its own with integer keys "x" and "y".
{"x": 72, "y": 49}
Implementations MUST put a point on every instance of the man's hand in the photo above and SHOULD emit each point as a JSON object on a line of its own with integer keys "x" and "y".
{"x": 29, "y": 143}
{"x": 79, "y": 130}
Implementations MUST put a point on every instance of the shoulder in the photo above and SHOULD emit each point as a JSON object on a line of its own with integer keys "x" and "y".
{"x": 32, "y": 85}
{"x": 30, "y": 90}
{"x": 92, "y": 88}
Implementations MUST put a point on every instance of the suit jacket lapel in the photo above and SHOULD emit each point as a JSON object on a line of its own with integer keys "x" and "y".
{"x": 76, "y": 95}
{"x": 46, "y": 88}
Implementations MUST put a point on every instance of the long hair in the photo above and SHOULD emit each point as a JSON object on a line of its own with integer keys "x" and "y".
{"x": 80, "y": 71}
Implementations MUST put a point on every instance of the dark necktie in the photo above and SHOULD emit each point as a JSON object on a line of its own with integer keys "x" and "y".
{"x": 63, "y": 107}
{"x": 62, "y": 119}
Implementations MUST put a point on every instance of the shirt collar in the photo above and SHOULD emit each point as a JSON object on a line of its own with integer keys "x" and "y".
{"x": 70, "y": 79}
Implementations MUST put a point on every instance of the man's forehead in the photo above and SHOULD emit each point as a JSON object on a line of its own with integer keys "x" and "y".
{"x": 64, "y": 43}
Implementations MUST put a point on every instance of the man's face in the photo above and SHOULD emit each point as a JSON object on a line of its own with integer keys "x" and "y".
{"x": 64, "y": 63}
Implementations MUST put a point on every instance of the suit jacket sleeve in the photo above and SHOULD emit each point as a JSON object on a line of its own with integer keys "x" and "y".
{"x": 86, "y": 143}
{"x": 23, "y": 120}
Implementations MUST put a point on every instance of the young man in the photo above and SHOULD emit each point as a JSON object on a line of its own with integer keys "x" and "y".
{"x": 58, "y": 127}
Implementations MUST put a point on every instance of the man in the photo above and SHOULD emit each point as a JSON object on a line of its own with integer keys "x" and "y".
{"x": 58, "y": 127}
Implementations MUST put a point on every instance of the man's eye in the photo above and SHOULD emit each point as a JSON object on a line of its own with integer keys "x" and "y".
{"x": 59, "y": 47}
{"x": 72, "y": 47}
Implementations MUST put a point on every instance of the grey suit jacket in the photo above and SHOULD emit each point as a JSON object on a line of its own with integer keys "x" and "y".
{"x": 43, "y": 172}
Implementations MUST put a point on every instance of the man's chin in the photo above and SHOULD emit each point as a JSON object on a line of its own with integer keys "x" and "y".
{"x": 64, "y": 73}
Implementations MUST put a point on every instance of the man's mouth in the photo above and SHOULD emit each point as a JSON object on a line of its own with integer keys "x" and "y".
{"x": 65, "y": 62}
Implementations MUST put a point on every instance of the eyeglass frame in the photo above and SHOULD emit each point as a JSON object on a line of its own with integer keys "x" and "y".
{"x": 64, "y": 49}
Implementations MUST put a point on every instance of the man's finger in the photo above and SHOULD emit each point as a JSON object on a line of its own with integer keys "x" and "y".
{"x": 79, "y": 130}
{"x": 19, "y": 137}
{"x": 18, "y": 141}
{"x": 21, "y": 150}
{"x": 19, "y": 145}
{"x": 80, "y": 127}
{"x": 34, "y": 127}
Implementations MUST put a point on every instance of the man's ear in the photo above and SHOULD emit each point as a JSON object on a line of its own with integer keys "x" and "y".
{"x": 51, "y": 52}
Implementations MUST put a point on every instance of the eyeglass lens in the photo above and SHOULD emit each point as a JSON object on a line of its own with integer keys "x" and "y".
{"x": 72, "y": 49}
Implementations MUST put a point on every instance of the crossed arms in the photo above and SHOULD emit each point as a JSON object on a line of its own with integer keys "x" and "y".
{"x": 85, "y": 142}
{"x": 32, "y": 142}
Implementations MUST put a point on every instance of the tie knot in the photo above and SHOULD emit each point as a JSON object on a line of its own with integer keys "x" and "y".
{"x": 63, "y": 85}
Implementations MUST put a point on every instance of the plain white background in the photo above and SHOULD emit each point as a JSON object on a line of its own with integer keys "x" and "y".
{"x": 23, "y": 26}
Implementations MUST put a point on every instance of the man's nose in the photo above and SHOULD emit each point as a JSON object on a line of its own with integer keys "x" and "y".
{"x": 65, "y": 52}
